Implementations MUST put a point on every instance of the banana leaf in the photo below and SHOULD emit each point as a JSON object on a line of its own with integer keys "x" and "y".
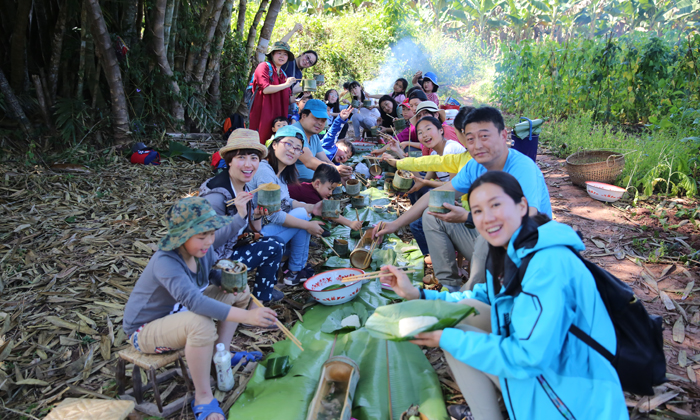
{"x": 522, "y": 129}
{"x": 177, "y": 149}
{"x": 337, "y": 262}
{"x": 277, "y": 367}
{"x": 403, "y": 366}
{"x": 382, "y": 257}
{"x": 377, "y": 197}
{"x": 384, "y": 322}
{"x": 334, "y": 321}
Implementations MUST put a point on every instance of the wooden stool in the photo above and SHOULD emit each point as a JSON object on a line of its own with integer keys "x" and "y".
{"x": 151, "y": 362}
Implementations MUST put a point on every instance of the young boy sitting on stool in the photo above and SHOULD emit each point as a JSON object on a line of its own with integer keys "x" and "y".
{"x": 320, "y": 188}
{"x": 173, "y": 305}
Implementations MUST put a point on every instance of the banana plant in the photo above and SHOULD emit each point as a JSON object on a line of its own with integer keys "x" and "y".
{"x": 478, "y": 12}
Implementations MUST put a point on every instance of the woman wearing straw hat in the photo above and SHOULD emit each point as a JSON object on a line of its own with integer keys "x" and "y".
{"x": 243, "y": 153}
{"x": 272, "y": 90}
{"x": 173, "y": 305}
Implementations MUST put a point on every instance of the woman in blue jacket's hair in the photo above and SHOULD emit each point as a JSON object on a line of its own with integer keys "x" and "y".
{"x": 519, "y": 343}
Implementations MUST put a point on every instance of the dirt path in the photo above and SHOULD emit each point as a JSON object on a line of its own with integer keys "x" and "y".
{"x": 609, "y": 230}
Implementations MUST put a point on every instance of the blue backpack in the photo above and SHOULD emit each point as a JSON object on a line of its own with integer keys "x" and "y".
{"x": 250, "y": 93}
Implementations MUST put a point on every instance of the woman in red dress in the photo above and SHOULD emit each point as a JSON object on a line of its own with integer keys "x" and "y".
{"x": 272, "y": 90}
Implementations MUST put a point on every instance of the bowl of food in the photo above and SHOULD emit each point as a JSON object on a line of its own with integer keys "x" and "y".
{"x": 328, "y": 287}
{"x": 604, "y": 192}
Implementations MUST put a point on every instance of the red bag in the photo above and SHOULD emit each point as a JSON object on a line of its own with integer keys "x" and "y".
{"x": 146, "y": 157}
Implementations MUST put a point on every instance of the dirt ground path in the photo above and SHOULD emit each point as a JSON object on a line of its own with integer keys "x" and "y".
{"x": 613, "y": 238}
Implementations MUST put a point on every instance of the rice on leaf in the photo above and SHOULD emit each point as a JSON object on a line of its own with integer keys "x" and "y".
{"x": 385, "y": 322}
{"x": 346, "y": 319}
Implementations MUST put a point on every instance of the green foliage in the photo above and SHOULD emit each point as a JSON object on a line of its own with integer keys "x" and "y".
{"x": 655, "y": 161}
{"x": 350, "y": 47}
{"x": 637, "y": 78}
{"x": 71, "y": 116}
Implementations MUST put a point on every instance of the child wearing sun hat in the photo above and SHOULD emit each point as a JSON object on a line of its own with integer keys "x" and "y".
{"x": 173, "y": 305}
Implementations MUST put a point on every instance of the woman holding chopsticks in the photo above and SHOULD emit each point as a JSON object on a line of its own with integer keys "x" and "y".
{"x": 243, "y": 153}
{"x": 520, "y": 344}
{"x": 292, "y": 225}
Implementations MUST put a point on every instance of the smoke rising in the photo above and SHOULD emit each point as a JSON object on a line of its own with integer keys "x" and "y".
{"x": 406, "y": 58}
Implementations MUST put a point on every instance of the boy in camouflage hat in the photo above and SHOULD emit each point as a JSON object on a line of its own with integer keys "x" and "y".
{"x": 173, "y": 305}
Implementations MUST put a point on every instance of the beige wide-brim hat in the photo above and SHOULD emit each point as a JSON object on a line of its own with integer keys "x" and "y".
{"x": 429, "y": 106}
{"x": 244, "y": 138}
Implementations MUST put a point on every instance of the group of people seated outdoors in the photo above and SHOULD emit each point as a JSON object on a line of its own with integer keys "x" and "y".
{"x": 515, "y": 358}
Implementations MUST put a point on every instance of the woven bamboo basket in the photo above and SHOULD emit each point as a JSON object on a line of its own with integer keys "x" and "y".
{"x": 594, "y": 165}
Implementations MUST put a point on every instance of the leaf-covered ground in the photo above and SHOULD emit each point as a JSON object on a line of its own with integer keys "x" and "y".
{"x": 73, "y": 244}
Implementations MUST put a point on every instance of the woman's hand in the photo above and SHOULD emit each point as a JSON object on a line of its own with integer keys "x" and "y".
{"x": 457, "y": 214}
{"x": 418, "y": 183}
{"x": 430, "y": 339}
{"x": 259, "y": 212}
{"x": 344, "y": 170}
{"x": 242, "y": 200}
{"x": 298, "y": 27}
{"x": 377, "y": 152}
{"x": 261, "y": 317}
{"x": 290, "y": 81}
{"x": 314, "y": 228}
{"x": 389, "y": 159}
{"x": 399, "y": 282}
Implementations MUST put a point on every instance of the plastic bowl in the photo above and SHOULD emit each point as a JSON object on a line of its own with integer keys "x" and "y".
{"x": 604, "y": 192}
{"x": 317, "y": 283}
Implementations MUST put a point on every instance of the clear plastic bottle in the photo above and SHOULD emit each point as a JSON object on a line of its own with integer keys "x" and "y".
{"x": 224, "y": 375}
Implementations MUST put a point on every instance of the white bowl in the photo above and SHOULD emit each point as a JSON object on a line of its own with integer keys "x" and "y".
{"x": 604, "y": 192}
{"x": 317, "y": 283}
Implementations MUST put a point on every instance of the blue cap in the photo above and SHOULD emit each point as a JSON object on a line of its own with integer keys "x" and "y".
{"x": 433, "y": 78}
{"x": 317, "y": 107}
{"x": 291, "y": 131}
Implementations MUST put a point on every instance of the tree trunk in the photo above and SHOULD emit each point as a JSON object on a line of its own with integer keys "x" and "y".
{"x": 130, "y": 24}
{"x": 84, "y": 36}
{"x": 194, "y": 50}
{"x": 212, "y": 24}
{"x": 56, "y": 48}
{"x": 173, "y": 36}
{"x": 18, "y": 46}
{"x": 253, "y": 30}
{"x": 41, "y": 99}
{"x": 167, "y": 25}
{"x": 159, "y": 50}
{"x": 108, "y": 59}
{"x": 240, "y": 24}
{"x": 266, "y": 32}
{"x": 221, "y": 30}
{"x": 214, "y": 92}
{"x": 13, "y": 104}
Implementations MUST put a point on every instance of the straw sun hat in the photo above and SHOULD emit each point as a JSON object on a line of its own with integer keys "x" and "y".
{"x": 428, "y": 106}
{"x": 243, "y": 138}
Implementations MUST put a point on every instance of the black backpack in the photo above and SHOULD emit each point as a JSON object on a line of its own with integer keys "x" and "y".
{"x": 639, "y": 360}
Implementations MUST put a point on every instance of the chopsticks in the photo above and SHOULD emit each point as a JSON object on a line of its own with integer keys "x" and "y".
{"x": 280, "y": 325}
{"x": 233, "y": 201}
{"x": 372, "y": 275}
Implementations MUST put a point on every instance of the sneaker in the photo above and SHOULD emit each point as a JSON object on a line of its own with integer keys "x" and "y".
{"x": 460, "y": 412}
{"x": 307, "y": 272}
{"x": 293, "y": 278}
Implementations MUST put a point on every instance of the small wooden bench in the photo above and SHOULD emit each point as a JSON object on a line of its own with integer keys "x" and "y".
{"x": 149, "y": 363}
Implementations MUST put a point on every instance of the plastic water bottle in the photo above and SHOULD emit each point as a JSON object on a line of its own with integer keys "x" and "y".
{"x": 224, "y": 375}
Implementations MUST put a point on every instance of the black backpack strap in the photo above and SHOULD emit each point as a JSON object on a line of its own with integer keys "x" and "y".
{"x": 591, "y": 342}
{"x": 573, "y": 329}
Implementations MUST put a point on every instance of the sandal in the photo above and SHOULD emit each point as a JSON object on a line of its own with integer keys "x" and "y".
{"x": 203, "y": 411}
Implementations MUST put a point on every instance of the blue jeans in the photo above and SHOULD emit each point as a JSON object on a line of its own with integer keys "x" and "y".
{"x": 265, "y": 255}
{"x": 419, "y": 236}
{"x": 296, "y": 240}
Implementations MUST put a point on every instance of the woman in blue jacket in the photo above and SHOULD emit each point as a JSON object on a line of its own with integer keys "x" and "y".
{"x": 519, "y": 343}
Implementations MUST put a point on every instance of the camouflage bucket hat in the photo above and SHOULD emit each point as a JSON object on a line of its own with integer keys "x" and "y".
{"x": 280, "y": 46}
{"x": 188, "y": 217}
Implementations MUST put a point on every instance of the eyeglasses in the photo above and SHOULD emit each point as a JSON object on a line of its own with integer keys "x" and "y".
{"x": 290, "y": 147}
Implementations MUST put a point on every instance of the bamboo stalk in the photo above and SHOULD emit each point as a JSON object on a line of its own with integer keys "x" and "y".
{"x": 329, "y": 246}
{"x": 280, "y": 325}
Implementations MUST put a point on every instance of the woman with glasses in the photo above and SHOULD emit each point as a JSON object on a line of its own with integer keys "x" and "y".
{"x": 291, "y": 225}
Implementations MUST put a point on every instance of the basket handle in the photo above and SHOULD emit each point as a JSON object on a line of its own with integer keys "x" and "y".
{"x": 607, "y": 161}
{"x": 530, "y": 121}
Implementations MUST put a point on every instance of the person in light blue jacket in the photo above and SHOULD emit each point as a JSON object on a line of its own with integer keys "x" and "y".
{"x": 519, "y": 343}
